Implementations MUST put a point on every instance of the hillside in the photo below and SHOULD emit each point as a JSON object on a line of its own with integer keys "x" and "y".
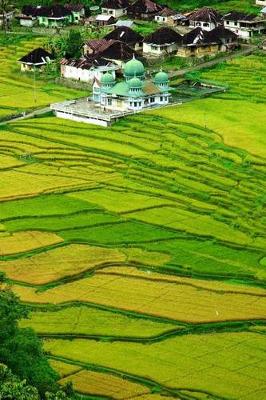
{"x": 140, "y": 248}
{"x": 182, "y": 5}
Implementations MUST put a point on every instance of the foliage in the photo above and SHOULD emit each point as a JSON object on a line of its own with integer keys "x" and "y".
{"x": 21, "y": 349}
{"x": 11, "y": 387}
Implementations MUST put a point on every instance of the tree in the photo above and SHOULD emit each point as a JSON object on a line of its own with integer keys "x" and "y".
{"x": 5, "y": 7}
{"x": 73, "y": 44}
{"x": 21, "y": 349}
{"x": 11, "y": 387}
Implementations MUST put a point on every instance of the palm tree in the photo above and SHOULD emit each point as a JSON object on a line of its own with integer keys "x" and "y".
{"x": 5, "y": 7}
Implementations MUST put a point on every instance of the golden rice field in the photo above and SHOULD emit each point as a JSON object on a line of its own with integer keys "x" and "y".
{"x": 140, "y": 249}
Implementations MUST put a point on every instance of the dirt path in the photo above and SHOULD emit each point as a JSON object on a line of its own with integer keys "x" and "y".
{"x": 29, "y": 115}
{"x": 245, "y": 51}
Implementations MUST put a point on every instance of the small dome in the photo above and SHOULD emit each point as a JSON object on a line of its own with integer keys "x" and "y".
{"x": 107, "y": 79}
{"x": 161, "y": 77}
{"x": 135, "y": 83}
{"x": 134, "y": 68}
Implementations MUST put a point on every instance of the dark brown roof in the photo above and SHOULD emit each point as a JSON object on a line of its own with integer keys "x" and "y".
{"x": 85, "y": 62}
{"x": 116, "y": 50}
{"x": 238, "y": 16}
{"x": 125, "y": 34}
{"x": 205, "y": 14}
{"x": 163, "y": 36}
{"x": 199, "y": 36}
{"x": 36, "y": 56}
{"x": 55, "y": 11}
{"x": 167, "y": 12}
{"x": 220, "y": 33}
{"x": 97, "y": 44}
{"x": 74, "y": 7}
{"x": 115, "y": 4}
{"x": 144, "y": 7}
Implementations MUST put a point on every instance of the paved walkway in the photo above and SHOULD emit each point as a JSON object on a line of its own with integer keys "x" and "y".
{"x": 40, "y": 111}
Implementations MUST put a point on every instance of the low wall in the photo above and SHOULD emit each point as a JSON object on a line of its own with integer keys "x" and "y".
{"x": 87, "y": 120}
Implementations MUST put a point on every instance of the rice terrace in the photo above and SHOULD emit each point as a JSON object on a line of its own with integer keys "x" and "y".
{"x": 138, "y": 249}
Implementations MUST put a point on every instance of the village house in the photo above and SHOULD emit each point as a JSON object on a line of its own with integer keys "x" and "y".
{"x": 206, "y": 18}
{"x": 77, "y": 10}
{"x": 103, "y": 20}
{"x": 163, "y": 41}
{"x": 132, "y": 38}
{"x": 86, "y": 69}
{"x": 261, "y": 2}
{"x": 244, "y": 25}
{"x": 37, "y": 58}
{"x": 167, "y": 16}
{"x": 263, "y": 11}
{"x": 112, "y": 50}
{"x": 144, "y": 9}
{"x": 135, "y": 92}
{"x": 51, "y": 16}
{"x": 116, "y": 8}
{"x": 28, "y": 16}
{"x": 124, "y": 22}
{"x": 199, "y": 42}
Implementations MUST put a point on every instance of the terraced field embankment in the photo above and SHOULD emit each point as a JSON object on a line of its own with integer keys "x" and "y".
{"x": 140, "y": 249}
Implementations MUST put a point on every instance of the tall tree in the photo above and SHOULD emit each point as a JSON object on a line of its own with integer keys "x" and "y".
{"x": 21, "y": 349}
{"x": 6, "y": 7}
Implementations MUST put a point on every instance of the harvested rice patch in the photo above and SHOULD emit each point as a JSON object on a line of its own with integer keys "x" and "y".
{"x": 63, "y": 369}
{"x": 26, "y": 241}
{"x": 90, "y": 382}
{"x": 58, "y": 263}
{"x": 164, "y": 299}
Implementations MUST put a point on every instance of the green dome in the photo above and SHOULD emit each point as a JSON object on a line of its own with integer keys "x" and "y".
{"x": 135, "y": 83}
{"x": 134, "y": 68}
{"x": 161, "y": 77}
{"x": 107, "y": 79}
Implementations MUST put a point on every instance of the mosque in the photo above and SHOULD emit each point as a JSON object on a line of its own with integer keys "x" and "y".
{"x": 134, "y": 93}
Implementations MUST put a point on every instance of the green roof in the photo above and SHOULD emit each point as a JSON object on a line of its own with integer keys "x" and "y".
{"x": 135, "y": 83}
{"x": 107, "y": 79}
{"x": 161, "y": 77}
{"x": 134, "y": 68}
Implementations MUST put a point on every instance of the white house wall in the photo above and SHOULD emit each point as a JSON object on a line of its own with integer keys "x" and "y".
{"x": 156, "y": 50}
{"x": 83, "y": 75}
{"x": 261, "y": 2}
{"x": 26, "y": 22}
{"x": 116, "y": 13}
{"x": 207, "y": 26}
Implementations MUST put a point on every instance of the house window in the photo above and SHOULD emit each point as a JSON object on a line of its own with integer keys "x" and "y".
{"x": 140, "y": 104}
{"x": 235, "y": 23}
{"x": 206, "y": 24}
{"x": 109, "y": 102}
{"x": 161, "y": 98}
{"x": 135, "y": 104}
{"x": 227, "y": 22}
{"x": 152, "y": 99}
